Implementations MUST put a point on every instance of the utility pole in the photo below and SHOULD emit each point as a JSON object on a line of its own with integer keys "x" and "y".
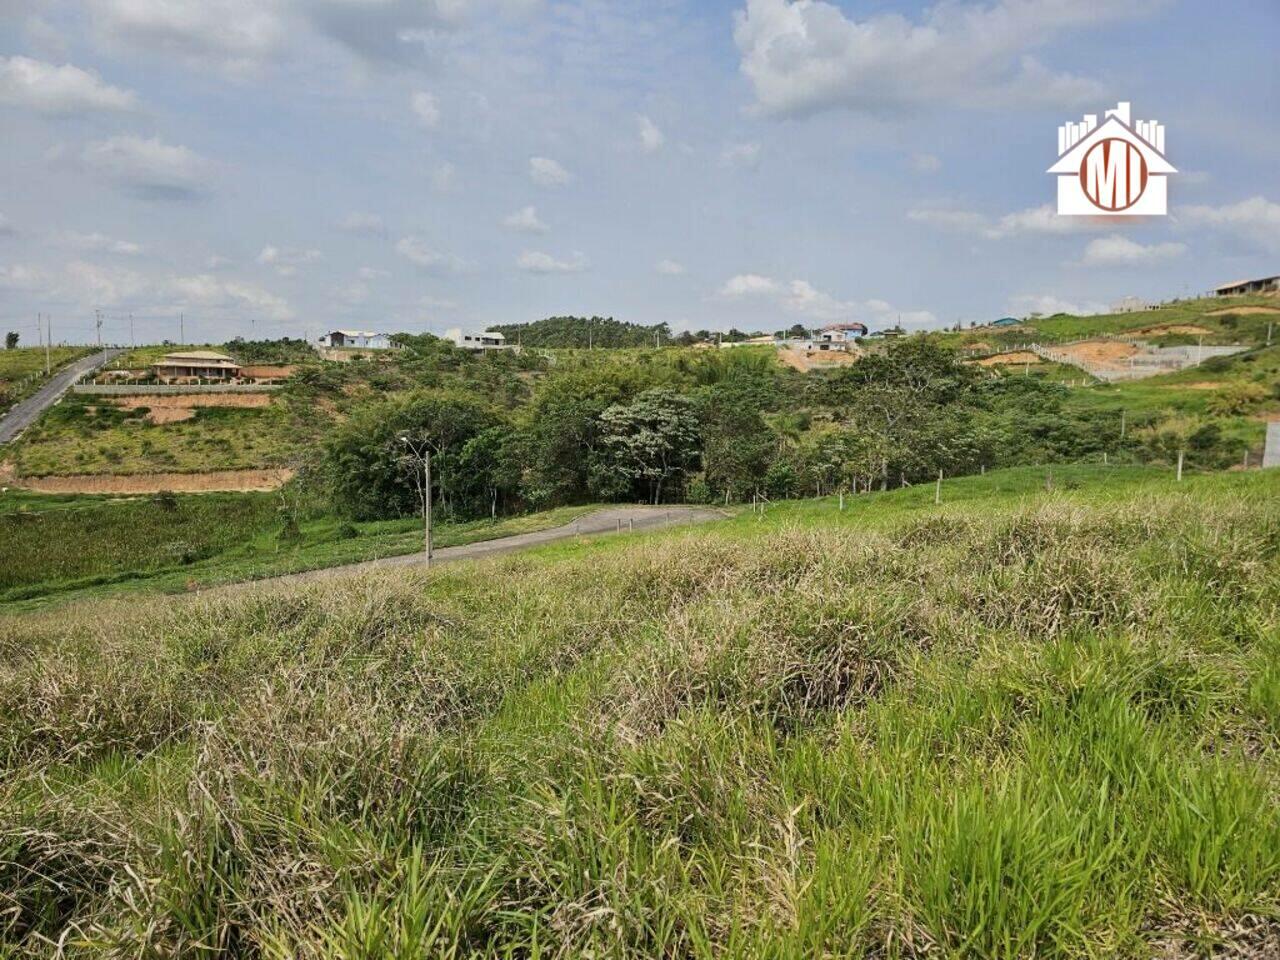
{"x": 1270, "y": 326}
{"x": 1122, "y": 413}
{"x": 421, "y": 451}
{"x": 97, "y": 318}
{"x": 182, "y": 328}
{"x": 48, "y": 336}
{"x": 133, "y": 342}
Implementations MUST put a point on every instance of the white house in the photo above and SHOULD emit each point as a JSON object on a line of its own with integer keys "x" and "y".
{"x": 488, "y": 340}
{"x": 363, "y": 339}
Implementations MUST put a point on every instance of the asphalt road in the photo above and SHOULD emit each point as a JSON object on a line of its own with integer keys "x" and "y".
{"x": 24, "y": 414}
{"x": 610, "y": 520}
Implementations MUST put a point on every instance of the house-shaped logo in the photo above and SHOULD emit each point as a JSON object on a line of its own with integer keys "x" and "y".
{"x": 1113, "y": 169}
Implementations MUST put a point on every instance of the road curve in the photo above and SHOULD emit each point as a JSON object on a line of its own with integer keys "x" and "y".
{"x": 609, "y": 520}
{"x": 24, "y": 414}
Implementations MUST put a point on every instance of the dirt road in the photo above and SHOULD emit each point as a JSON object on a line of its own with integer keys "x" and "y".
{"x": 23, "y": 414}
{"x": 611, "y": 520}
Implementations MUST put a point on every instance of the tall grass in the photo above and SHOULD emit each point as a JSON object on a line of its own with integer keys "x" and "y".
{"x": 1045, "y": 729}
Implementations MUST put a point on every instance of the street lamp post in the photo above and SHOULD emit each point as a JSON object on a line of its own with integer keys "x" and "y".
{"x": 422, "y": 452}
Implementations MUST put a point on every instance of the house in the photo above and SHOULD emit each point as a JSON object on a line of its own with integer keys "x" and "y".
{"x": 1242, "y": 287}
{"x": 1092, "y": 181}
{"x": 488, "y": 340}
{"x": 358, "y": 339}
{"x": 195, "y": 365}
{"x": 841, "y": 332}
{"x": 1006, "y": 322}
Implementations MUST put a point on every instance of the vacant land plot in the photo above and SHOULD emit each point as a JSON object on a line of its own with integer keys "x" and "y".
{"x": 22, "y": 370}
{"x": 172, "y": 408}
{"x": 1002, "y": 359}
{"x": 1012, "y": 726}
{"x": 1101, "y": 352}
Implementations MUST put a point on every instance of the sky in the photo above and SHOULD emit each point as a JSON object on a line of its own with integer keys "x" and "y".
{"x": 266, "y": 168}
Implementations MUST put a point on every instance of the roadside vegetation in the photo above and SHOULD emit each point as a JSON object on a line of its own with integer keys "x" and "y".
{"x": 22, "y": 370}
{"x": 1040, "y": 719}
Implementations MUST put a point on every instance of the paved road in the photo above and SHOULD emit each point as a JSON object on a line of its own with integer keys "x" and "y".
{"x": 24, "y": 414}
{"x": 609, "y": 520}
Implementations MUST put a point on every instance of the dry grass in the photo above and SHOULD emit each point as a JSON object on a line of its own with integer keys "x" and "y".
{"x": 966, "y": 731}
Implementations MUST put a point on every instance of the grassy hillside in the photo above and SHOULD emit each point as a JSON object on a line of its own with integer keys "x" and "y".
{"x": 1024, "y": 723}
{"x": 1224, "y": 320}
{"x": 75, "y": 547}
{"x": 22, "y": 370}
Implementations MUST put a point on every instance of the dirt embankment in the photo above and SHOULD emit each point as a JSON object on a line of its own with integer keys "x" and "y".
{"x": 215, "y": 481}
{"x": 1002, "y": 359}
{"x": 172, "y": 408}
{"x": 1160, "y": 330}
{"x": 1112, "y": 353}
{"x": 268, "y": 372}
{"x": 815, "y": 359}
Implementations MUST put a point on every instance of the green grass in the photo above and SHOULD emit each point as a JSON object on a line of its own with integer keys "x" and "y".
{"x": 71, "y": 548}
{"x": 1024, "y": 723}
{"x": 1237, "y": 328}
{"x": 22, "y": 370}
{"x": 87, "y": 435}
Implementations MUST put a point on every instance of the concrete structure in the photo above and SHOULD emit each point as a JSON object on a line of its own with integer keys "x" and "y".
{"x": 840, "y": 332}
{"x": 1129, "y": 305}
{"x": 1242, "y": 287}
{"x": 1271, "y": 453}
{"x": 195, "y": 365}
{"x": 359, "y": 339}
{"x": 488, "y": 340}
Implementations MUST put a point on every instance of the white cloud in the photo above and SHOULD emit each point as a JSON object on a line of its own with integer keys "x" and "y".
{"x": 747, "y": 285}
{"x": 372, "y": 273}
{"x": 525, "y": 220}
{"x": 1034, "y": 220}
{"x": 803, "y": 299}
{"x": 437, "y": 303}
{"x": 20, "y": 277}
{"x": 235, "y": 35}
{"x": 286, "y": 260}
{"x": 546, "y": 172}
{"x": 52, "y": 89}
{"x": 1116, "y": 250}
{"x": 6, "y": 226}
{"x": 1256, "y": 220}
{"x": 363, "y": 223}
{"x": 204, "y": 291}
{"x": 415, "y": 250}
{"x": 801, "y": 57}
{"x": 669, "y": 268}
{"x": 426, "y": 108}
{"x": 745, "y": 155}
{"x": 98, "y": 243}
{"x": 535, "y": 261}
{"x": 925, "y": 163}
{"x": 651, "y": 138}
{"x": 1047, "y": 304}
{"x": 151, "y": 167}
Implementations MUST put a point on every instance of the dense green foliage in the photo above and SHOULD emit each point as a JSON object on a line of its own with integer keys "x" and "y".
{"x": 563, "y": 332}
{"x": 1021, "y": 724}
{"x": 284, "y": 350}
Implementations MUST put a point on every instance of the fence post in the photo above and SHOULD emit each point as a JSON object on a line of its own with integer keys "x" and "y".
{"x": 937, "y": 490}
{"x": 1246, "y": 458}
{"x": 1179, "y": 465}
{"x": 842, "y": 498}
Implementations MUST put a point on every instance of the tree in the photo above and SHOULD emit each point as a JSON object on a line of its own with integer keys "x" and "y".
{"x": 364, "y": 459}
{"x": 11, "y": 340}
{"x": 651, "y": 440}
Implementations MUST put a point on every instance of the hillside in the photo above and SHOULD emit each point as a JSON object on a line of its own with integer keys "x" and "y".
{"x": 1023, "y": 723}
{"x": 22, "y": 370}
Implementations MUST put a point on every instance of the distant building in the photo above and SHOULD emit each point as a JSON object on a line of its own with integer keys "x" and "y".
{"x": 840, "y": 332}
{"x": 1129, "y": 305}
{"x": 1242, "y": 287}
{"x": 360, "y": 339}
{"x": 1006, "y": 322}
{"x": 488, "y": 340}
{"x": 195, "y": 365}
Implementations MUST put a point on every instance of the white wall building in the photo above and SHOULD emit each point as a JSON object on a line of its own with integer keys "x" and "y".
{"x": 467, "y": 340}
{"x": 363, "y": 339}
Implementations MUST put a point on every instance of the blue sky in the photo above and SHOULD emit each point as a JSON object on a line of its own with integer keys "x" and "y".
{"x": 283, "y": 167}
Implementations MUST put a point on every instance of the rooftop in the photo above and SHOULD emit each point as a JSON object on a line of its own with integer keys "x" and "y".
{"x": 198, "y": 356}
